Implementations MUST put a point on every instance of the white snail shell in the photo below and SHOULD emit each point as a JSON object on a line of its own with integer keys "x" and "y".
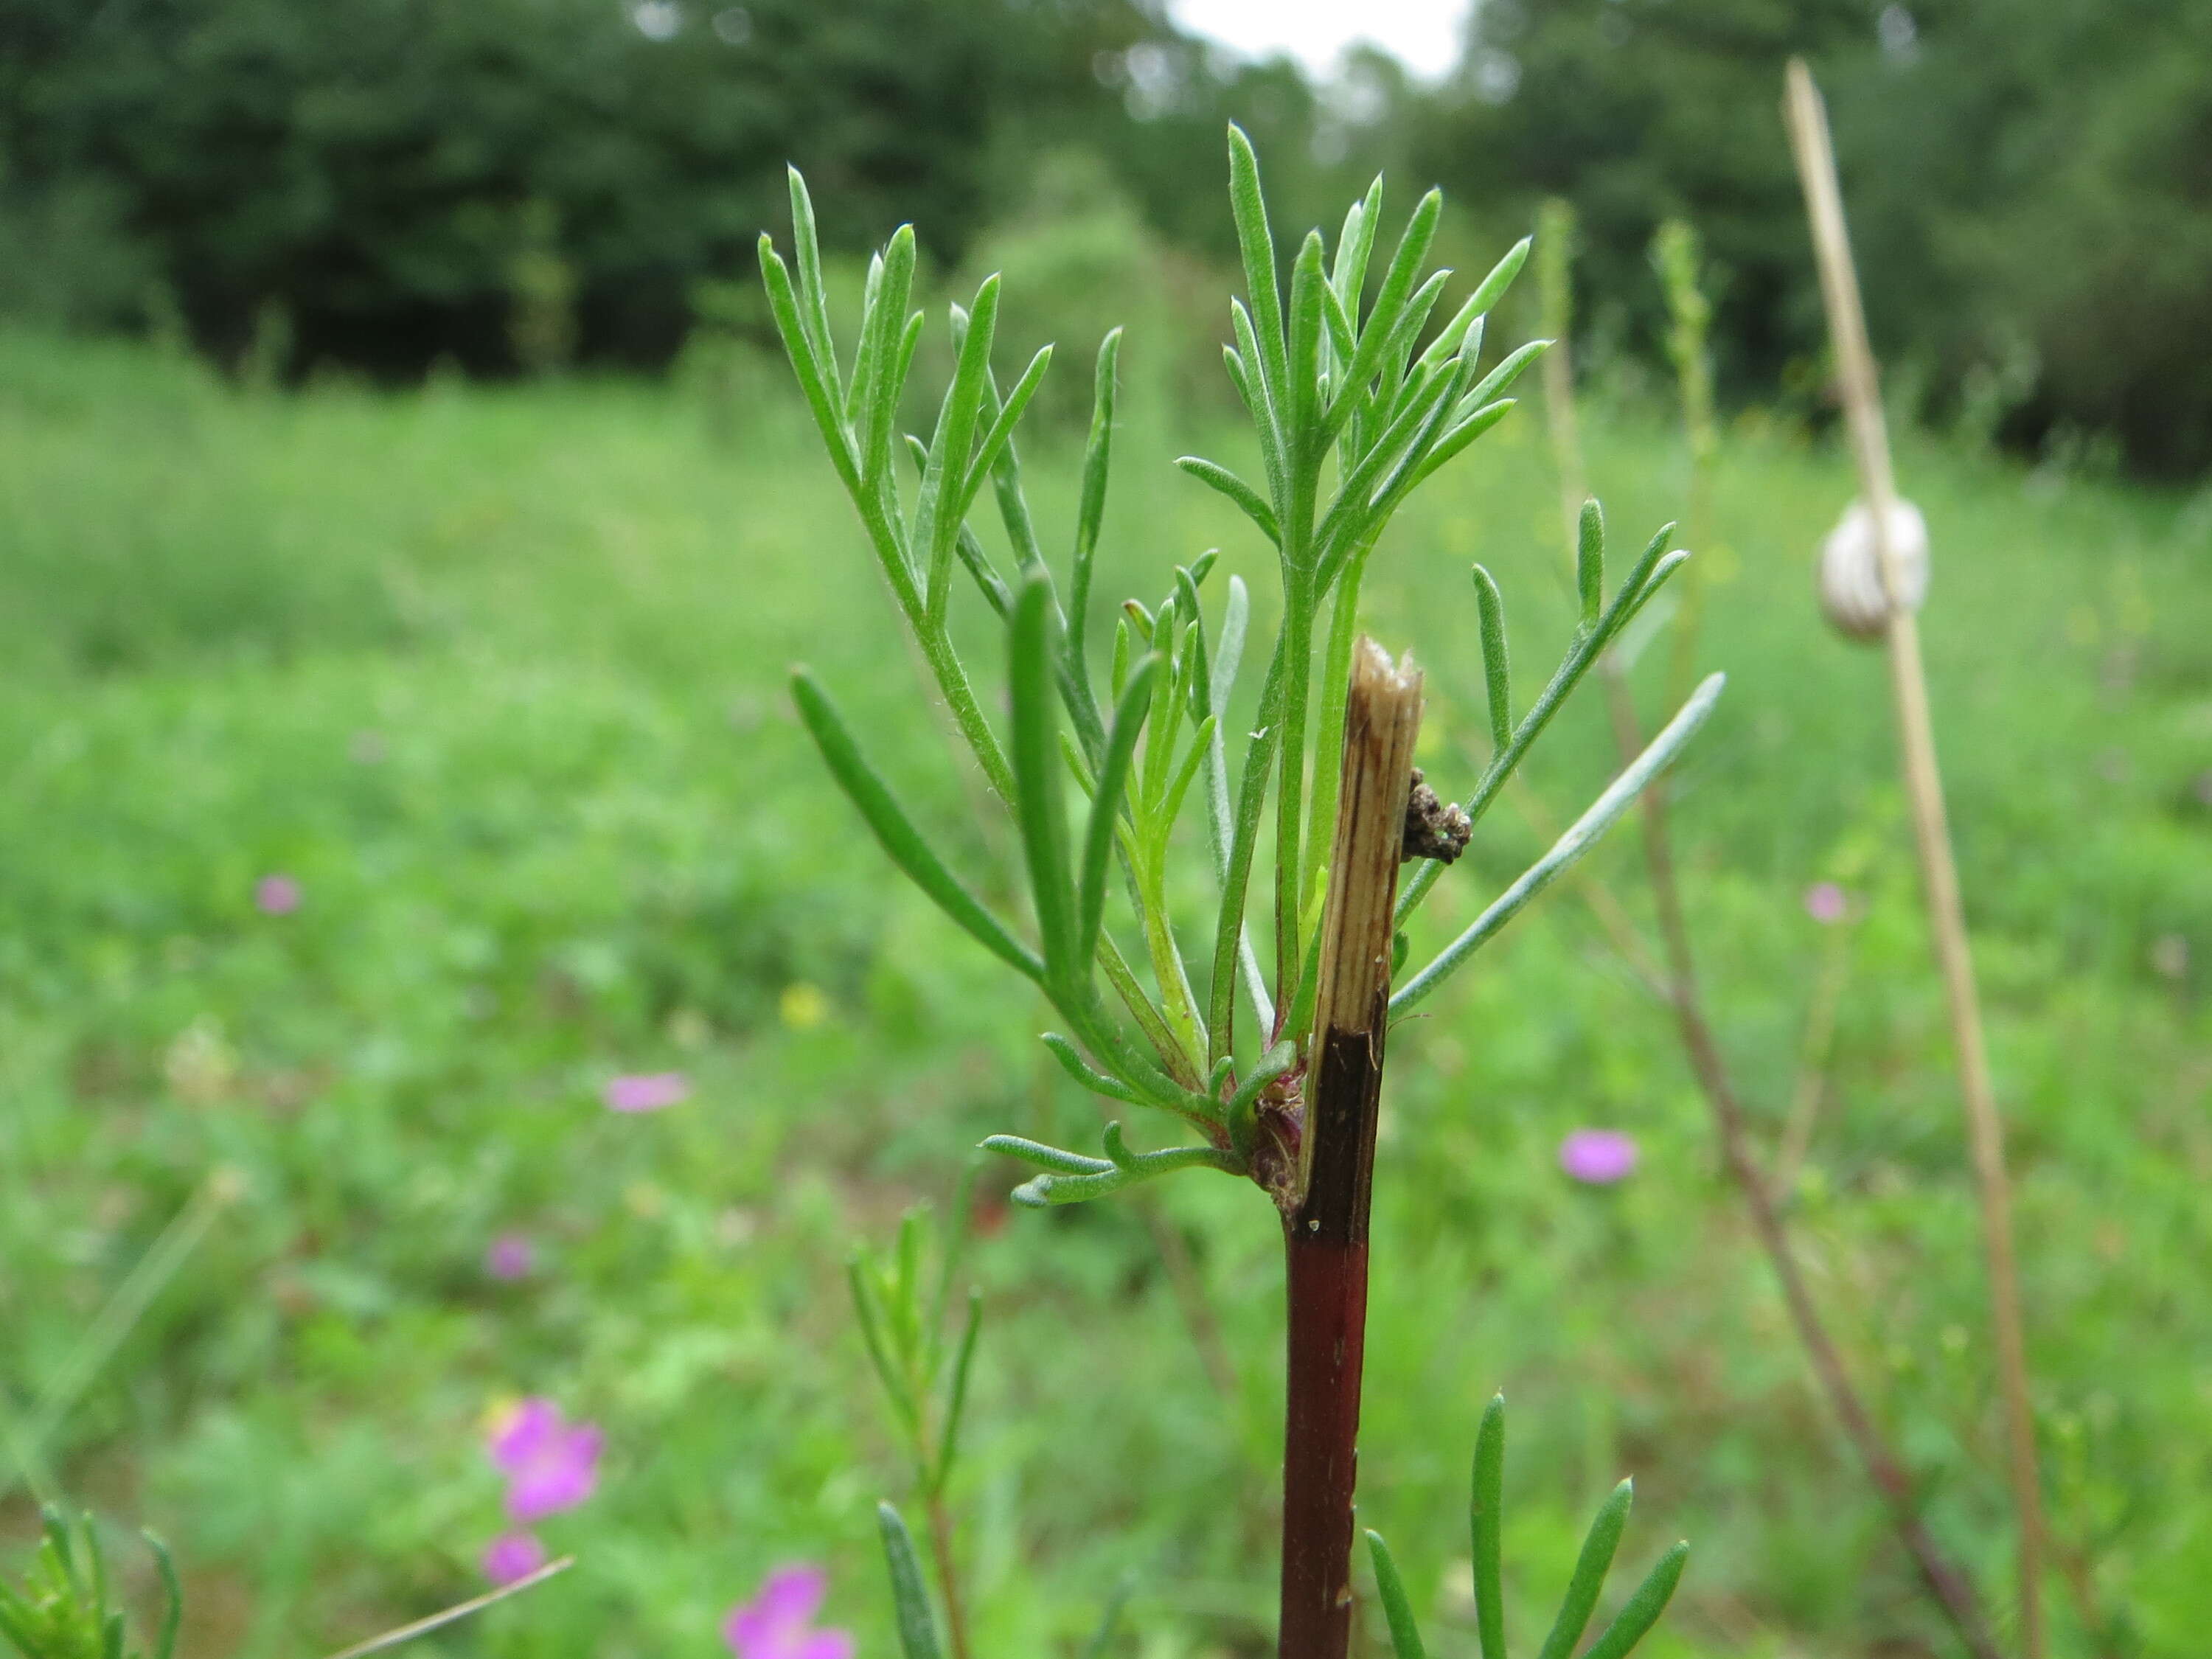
{"x": 1851, "y": 592}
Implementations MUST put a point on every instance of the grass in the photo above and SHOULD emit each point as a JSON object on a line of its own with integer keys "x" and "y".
{"x": 497, "y": 675}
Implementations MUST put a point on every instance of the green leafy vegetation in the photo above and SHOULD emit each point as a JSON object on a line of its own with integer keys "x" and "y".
{"x": 497, "y": 677}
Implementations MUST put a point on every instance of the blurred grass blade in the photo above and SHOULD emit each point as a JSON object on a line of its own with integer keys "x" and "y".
{"x": 1635, "y": 1619}
{"x": 1110, "y": 1618}
{"x": 1592, "y": 1563}
{"x": 1594, "y": 823}
{"x": 917, "y": 1624}
{"x": 392, "y": 1638}
{"x": 955, "y": 1401}
{"x": 172, "y": 1597}
{"x": 112, "y": 1326}
{"x": 867, "y": 792}
{"x": 1405, "y": 1634}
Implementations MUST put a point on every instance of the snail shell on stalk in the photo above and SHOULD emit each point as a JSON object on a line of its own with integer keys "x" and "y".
{"x": 1851, "y": 592}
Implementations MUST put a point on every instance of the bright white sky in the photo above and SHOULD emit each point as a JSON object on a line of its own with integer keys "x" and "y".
{"x": 1422, "y": 34}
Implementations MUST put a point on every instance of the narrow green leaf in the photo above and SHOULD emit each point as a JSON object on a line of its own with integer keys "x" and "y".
{"x": 1091, "y": 505}
{"x": 1492, "y": 289}
{"x": 864, "y": 786}
{"x": 917, "y": 1624}
{"x": 783, "y": 305}
{"x": 1593, "y": 1561}
{"x": 1494, "y": 384}
{"x": 1256, "y": 243}
{"x": 948, "y": 1444}
{"x": 1381, "y": 328}
{"x": 1228, "y": 483}
{"x": 888, "y": 354}
{"x": 1496, "y": 670}
{"x": 1353, "y": 247}
{"x": 1485, "y": 1522}
{"x": 1098, "y": 1083}
{"x": 1589, "y": 563}
{"x": 938, "y": 512}
{"x": 1043, "y": 1191}
{"x": 814, "y": 314}
{"x": 869, "y": 1315}
{"x": 1405, "y": 1634}
{"x": 998, "y": 596}
{"x": 1635, "y": 1619}
{"x": 1601, "y": 815}
{"x": 1002, "y": 429}
{"x": 172, "y": 1597}
{"x": 1243, "y": 1104}
{"x": 1129, "y": 712}
{"x": 1039, "y": 804}
{"x": 1307, "y": 283}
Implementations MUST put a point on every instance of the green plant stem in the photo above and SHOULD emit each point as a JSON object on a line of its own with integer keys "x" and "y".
{"x": 1289, "y": 783}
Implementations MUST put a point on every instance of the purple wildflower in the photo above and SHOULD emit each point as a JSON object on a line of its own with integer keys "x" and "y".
{"x": 647, "y": 1091}
{"x": 1824, "y": 902}
{"x": 512, "y": 1555}
{"x": 550, "y": 1464}
{"x": 512, "y": 1255}
{"x": 276, "y": 895}
{"x": 1598, "y": 1157}
{"x": 777, "y": 1623}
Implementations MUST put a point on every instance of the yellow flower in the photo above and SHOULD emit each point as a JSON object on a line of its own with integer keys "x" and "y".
{"x": 803, "y": 1007}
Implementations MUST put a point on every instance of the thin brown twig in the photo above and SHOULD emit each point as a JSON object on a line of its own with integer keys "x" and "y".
{"x": 1952, "y": 1593}
{"x": 1856, "y": 378}
{"x": 392, "y": 1638}
{"x": 948, "y": 1576}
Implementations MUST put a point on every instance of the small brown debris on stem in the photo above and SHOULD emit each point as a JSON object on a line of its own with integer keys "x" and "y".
{"x": 1435, "y": 828}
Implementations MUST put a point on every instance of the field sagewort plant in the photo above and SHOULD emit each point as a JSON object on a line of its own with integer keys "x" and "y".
{"x": 1354, "y": 405}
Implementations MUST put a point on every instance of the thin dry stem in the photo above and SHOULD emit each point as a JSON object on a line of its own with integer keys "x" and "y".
{"x": 1856, "y": 378}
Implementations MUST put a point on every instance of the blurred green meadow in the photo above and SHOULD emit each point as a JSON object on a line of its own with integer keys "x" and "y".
{"x": 496, "y": 675}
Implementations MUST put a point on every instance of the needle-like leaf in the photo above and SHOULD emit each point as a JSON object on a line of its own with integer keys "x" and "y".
{"x": 1129, "y": 712}
{"x": 1405, "y": 1634}
{"x": 1485, "y": 1527}
{"x": 1591, "y": 1565}
{"x": 1601, "y": 815}
{"x": 888, "y": 820}
{"x": 1640, "y": 1611}
{"x": 917, "y": 1624}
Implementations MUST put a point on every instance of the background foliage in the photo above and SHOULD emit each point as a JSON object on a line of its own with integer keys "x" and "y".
{"x": 382, "y": 183}
{"x": 496, "y": 674}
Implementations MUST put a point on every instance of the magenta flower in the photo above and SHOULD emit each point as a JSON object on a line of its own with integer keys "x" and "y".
{"x": 276, "y": 895}
{"x": 512, "y": 1555}
{"x": 1598, "y": 1157}
{"x": 1824, "y": 902}
{"x": 550, "y": 1463}
{"x": 647, "y": 1091}
{"x": 777, "y": 1624}
{"x": 512, "y": 1255}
